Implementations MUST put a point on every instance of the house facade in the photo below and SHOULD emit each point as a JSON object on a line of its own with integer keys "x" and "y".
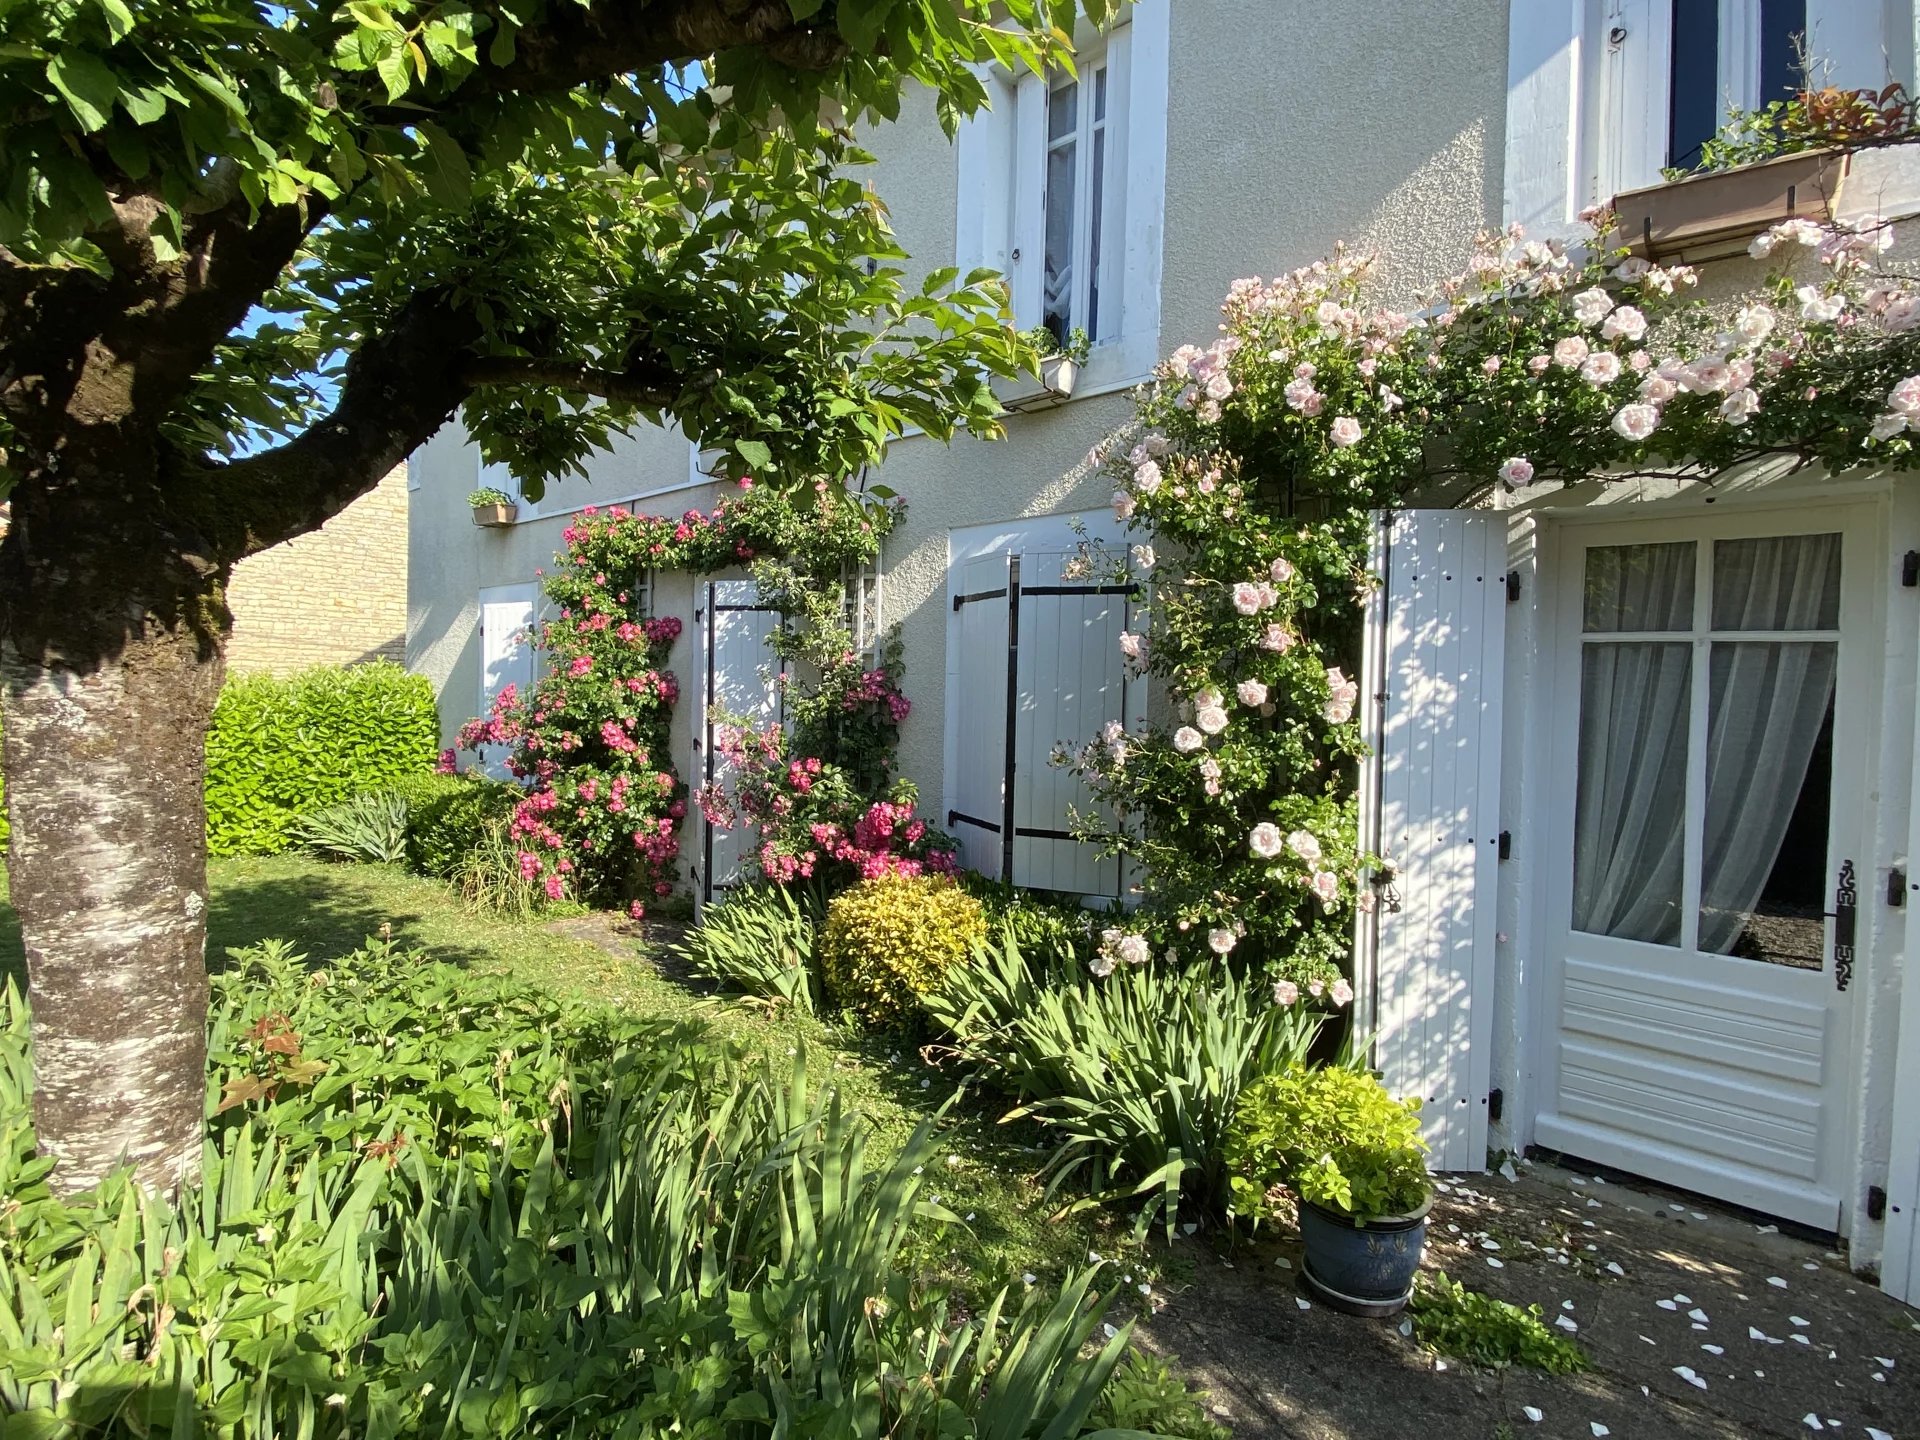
{"x": 1598, "y": 942}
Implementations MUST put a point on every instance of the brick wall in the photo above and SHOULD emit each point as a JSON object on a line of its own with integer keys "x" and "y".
{"x": 331, "y": 597}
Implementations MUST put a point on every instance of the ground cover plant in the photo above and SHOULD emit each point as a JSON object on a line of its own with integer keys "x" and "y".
{"x": 651, "y": 1235}
{"x": 1482, "y": 1330}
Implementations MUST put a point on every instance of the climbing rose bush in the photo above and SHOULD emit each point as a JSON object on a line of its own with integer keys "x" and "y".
{"x": 605, "y": 805}
{"x": 1253, "y": 465}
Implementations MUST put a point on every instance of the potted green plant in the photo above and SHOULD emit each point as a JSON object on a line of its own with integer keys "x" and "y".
{"x": 1352, "y": 1157}
{"x": 492, "y": 507}
{"x": 1059, "y": 369}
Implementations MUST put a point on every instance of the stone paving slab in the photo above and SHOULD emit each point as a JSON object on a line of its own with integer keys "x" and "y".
{"x": 1699, "y": 1322}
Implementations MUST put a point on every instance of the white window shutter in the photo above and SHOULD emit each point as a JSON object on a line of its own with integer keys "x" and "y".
{"x": 1027, "y": 259}
{"x": 983, "y": 211}
{"x": 739, "y": 682}
{"x": 506, "y": 656}
{"x": 976, "y": 795}
{"x": 1430, "y": 798}
{"x": 1071, "y": 683}
{"x": 1545, "y": 189}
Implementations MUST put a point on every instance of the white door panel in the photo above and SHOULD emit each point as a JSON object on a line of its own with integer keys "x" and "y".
{"x": 1709, "y": 743}
{"x": 1431, "y": 691}
{"x": 506, "y": 656}
{"x": 738, "y": 683}
{"x": 976, "y": 797}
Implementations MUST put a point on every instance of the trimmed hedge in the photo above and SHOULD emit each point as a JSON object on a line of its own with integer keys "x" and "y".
{"x": 447, "y": 817}
{"x": 281, "y": 748}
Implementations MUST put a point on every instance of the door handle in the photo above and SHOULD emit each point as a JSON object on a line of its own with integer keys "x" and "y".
{"x": 1846, "y": 921}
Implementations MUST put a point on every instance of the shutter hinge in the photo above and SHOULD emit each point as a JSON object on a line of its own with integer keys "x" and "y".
{"x": 1910, "y": 569}
{"x": 1496, "y": 1099}
{"x": 1513, "y": 586}
{"x": 1897, "y": 886}
{"x": 1506, "y": 844}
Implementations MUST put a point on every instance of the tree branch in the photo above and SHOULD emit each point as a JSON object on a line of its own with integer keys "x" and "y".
{"x": 400, "y": 386}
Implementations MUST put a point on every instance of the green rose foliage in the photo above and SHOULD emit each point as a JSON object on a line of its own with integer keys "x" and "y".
{"x": 888, "y": 941}
{"x": 1334, "y": 1136}
{"x": 1254, "y": 463}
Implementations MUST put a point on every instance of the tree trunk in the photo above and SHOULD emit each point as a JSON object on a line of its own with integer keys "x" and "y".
{"x": 108, "y": 873}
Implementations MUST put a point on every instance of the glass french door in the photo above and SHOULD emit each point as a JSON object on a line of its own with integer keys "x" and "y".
{"x": 1710, "y": 761}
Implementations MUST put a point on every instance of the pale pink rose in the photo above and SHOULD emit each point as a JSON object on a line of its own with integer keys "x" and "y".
{"x": 1187, "y": 739}
{"x": 1247, "y": 598}
{"x": 1904, "y": 398}
{"x": 1305, "y": 845}
{"x": 1208, "y": 698}
{"x": 1326, "y": 885}
{"x": 1276, "y": 638}
{"x": 1313, "y": 406}
{"x": 1636, "y": 422}
{"x": 1101, "y": 965}
{"x": 1342, "y": 695}
{"x": 1123, "y": 505}
{"x": 1340, "y": 992}
{"x": 1264, "y": 840}
{"x": 1754, "y": 323}
{"x": 1146, "y": 477}
{"x": 1490, "y": 366}
{"x": 1602, "y": 368}
{"x": 1207, "y": 412}
{"x": 1212, "y": 719}
{"x": 1299, "y": 393}
{"x": 1885, "y": 427}
{"x": 1571, "y": 353}
{"x": 1539, "y": 363}
{"x": 1281, "y": 570}
{"x": 1590, "y": 307}
{"x": 1344, "y": 432}
{"x": 1517, "y": 471}
{"x": 1739, "y": 406}
{"x": 1132, "y": 646}
{"x": 1657, "y": 389}
{"x": 1819, "y": 308}
{"x": 1706, "y": 376}
{"x": 1285, "y": 993}
{"x": 1903, "y": 313}
{"x": 1639, "y": 361}
{"x": 1251, "y": 692}
{"x": 1626, "y": 323}
{"x": 1133, "y": 950}
{"x": 1221, "y": 941}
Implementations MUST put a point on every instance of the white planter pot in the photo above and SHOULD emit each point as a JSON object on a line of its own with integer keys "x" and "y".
{"x": 1054, "y": 387}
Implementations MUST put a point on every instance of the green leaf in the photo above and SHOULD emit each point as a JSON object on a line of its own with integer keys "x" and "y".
{"x": 119, "y": 19}
{"x": 755, "y": 453}
{"x": 88, "y": 86}
{"x": 861, "y": 21}
{"x": 392, "y": 70}
{"x": 449, "y": 177}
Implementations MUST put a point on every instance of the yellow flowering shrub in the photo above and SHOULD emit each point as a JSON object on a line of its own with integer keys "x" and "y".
{"x": 888, "y": 941}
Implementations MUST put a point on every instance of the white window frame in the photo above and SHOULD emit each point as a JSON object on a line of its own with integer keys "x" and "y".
{"x": 1588, "y": 116}
{"x": 1001, "y": 204}
{"x": 1090, "y": 129}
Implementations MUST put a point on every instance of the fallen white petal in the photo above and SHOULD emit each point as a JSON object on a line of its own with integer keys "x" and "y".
{"x": 1647, "y": 1338}
{"x": 1496, "y": 1264}
{"x": 1880, "y": 1376}
{"x": 1800, "y": 1340}
{"x": 1697, "y": 1314}
{"x": 1283, "y": 1262}
{"x": 1811, "y": 1265}
{"x": 1598, "y": 1429}
{"x": 1800, "y": 1320}
{"x": 1566, "y": 1304}
{"x": 1713, "y": 1349}
{"x": 1776, "y": 1282}
{"x": 1812, "y": 1421}
{"x": 1593, "y": 1204}
{"x": 1439, "y": 1364}
{"x": 1873, "y": 1434}
{"x": 1884, "y": 1362}
{"x": 1667, "y": 1304}
{"x": 1533, "y": 1413}
{"x": 1613, "y": 1267}
{"x": 1512, "y": 1175}
{"x": 1672, "y": 1206}
{"x": 1767, "y": 1229}
{"x": 1489, "y": 1244}
{"x": 1696, "y": 1215}
{"x": 1303, "y": 1302}
{"x": 1406, "y": 1327}
{"x": 1683, "y": 1299}
{"x": 1697, "y": 1325}
{"x": 1565, "y": 1323}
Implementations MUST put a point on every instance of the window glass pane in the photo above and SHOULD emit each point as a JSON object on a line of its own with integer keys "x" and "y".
{"x": 1100, "y": 92}
{"x": 1056, "y": 279}
{"x": 1629, "y": 828}
{"x": 1763, "y": 873}
{"x": 1061, "y": 105}
{"x": 1783, "y": 33}
{"x": 1097, "y": 192}
{"x": 1694, "y": 106}
{"x": 1779, "y": 582}
{"x": 1639, "y": 587}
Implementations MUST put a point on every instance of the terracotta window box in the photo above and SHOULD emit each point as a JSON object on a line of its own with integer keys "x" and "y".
{"x": 1705, "y": 216}
{"x": 494, "y": 514}
{"x": 1054, "y": 387}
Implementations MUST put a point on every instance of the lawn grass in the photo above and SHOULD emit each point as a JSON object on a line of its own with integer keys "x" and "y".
{"x": 988, "y": 1168}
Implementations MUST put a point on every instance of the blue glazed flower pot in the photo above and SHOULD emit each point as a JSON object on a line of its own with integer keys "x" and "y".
{"x": 1363, "y": 1269}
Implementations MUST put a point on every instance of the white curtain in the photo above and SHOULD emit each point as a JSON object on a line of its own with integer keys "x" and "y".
{"x": 1767, "y": 702}
{"x": 1631, "y": 806}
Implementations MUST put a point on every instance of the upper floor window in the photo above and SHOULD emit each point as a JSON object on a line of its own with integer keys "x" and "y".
{"x": 1728, "y": 56}
{"x": 1061, "y": 188}
{"x": 1605, "y": 95}
{"x": 1079, "y": 127}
